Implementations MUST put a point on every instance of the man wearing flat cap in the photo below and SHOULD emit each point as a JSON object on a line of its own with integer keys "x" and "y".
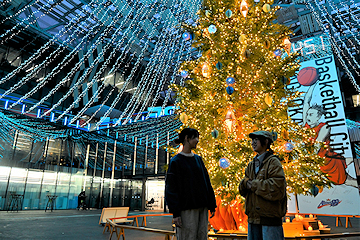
{"x": 264, "y": 189}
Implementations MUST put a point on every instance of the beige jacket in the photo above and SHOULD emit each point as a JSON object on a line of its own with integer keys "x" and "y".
{"x": 266, "y": 201}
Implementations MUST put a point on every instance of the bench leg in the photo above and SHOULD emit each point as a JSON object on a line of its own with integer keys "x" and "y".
{"x": 338, "y": 220}
{"x": 143, "y": 223}
{"x": 112, "y": 230}
{"x": 167, "y": 237}
{"x": 121, "y": 233}
{"x": 107, "y": 226}
{"x": 348, "y": 222}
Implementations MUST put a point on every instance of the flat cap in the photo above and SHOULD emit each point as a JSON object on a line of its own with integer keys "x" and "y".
{"x": 266, "y": 134}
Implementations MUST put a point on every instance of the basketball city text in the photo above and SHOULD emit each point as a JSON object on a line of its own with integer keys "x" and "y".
{"x": 327, "y": 94}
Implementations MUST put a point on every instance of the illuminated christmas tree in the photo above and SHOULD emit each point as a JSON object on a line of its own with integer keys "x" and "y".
{"x": 238, "y": 86}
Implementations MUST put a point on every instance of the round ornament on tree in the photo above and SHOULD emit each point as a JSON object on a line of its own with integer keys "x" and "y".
{"x": 230, "y": 90}
{"x": 228, "y": 13}
{"x": 212, "y": 29}
{"x": 219, "y": 65}
{"x": 277, "y": 53}
{"x": 268, "y": 100}
{"x": 184, "y": 73}
{"x": 288, "y": 147}
{"x": 284, "y": 80}
{"x": 215, "y": 133}
{"x": 266, "y": 8}
{"x": 186, "y": 36}
{"x": 224, "y": 163}
{"x": 274, "y": 135}
{"x": 247, "y": 53}
{"x": 308, "y": 76}
{"x": 314, "y": 190}
{"x": 183, "y": 118}
{"x": 230, "y": 81}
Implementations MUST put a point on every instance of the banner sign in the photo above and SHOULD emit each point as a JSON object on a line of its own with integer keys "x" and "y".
{"x": 321, "y": 108}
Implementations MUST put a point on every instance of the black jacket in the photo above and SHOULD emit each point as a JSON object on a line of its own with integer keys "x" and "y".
{"x": 187, "y": 185}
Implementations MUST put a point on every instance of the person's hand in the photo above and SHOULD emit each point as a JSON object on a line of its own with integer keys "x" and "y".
{"x": 212, "y": 214}
{"x": 177, "y": 221}
{"x": 248, "y": 184}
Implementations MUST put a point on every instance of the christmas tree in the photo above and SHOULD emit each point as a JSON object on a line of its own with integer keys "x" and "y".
{"x": 238, "y": 86}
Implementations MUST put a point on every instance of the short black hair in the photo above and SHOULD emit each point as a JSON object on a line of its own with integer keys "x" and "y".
{"x": 262, "y": 140}
{"x": 189, "y": 132}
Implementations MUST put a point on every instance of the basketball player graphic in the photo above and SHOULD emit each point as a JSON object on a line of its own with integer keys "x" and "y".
{"x": 335, "y": 164}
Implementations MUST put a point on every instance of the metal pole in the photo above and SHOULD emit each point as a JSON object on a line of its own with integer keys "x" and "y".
{"x": 102, "y": 176}
{"x": 86, "y": 165}
{"x": 94, "y": 172}
{"x": 112, "y": 176}
{"x": 167, "y": 150}
{"x": 157, "y": 154}
{"x": 146, "y": 150}
{"x": 58, "y": 165}
{"x": 134, "y": 163}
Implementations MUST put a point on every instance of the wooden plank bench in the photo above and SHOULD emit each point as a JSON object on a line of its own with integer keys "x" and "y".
{"x": 168, "y": 234}
{"x": 114, "y": 227}
{"x": 120, "y": 213}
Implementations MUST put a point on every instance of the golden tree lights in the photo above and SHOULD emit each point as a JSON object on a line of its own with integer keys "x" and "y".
{"x": 242, "y": 47}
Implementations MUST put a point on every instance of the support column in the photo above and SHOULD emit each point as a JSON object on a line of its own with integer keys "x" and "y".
{"x": 134, "y": 163}
{"x": 112, "y": 176}
{"x": 146, "y": 151}
{"x": 102, "y": 176}
{"x": 86, "y": 165}
{"x": 157, "y": 154}
{"x": 93, "y": 176}
{"x": 167, "y": 150}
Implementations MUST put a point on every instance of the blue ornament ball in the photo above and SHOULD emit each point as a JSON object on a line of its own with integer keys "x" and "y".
{"x": 228, "y": 13}
{"x": 212, "y": 29}
{"x": 215, "y": 133}
{"x": 288, "y": 146}
{"x": 184, "y": 73}
{"x": 219, "y": 65}
{"x": 224, "y": 163}
{"x": 314, "y": 190}
{"x": 230, "y": 81}
{"x": 230, "y": 90}
{"x": 186, "y": 36}
{"x": 277, "y": 53}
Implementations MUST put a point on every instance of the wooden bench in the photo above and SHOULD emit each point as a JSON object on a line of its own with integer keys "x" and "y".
{"x": 121, "y": 213}
{"x": 168, "y": 234}
{"x": 114, "y": 227}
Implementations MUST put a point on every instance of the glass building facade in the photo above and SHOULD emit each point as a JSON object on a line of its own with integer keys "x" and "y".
{"x": 111, "y": 173}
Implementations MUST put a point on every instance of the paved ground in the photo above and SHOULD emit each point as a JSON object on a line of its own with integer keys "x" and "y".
{"x": 78, "y": 225}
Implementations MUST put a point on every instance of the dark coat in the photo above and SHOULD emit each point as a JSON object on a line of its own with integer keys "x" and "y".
{"x": 187, "y": 185}
{"x": 266, "y": 201}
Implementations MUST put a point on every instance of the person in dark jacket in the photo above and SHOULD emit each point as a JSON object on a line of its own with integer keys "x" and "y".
{"x": 264, "y": 189}
{"x": 188, "y": 191}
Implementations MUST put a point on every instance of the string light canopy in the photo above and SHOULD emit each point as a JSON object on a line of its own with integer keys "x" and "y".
{"x": 136, "y": 46}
